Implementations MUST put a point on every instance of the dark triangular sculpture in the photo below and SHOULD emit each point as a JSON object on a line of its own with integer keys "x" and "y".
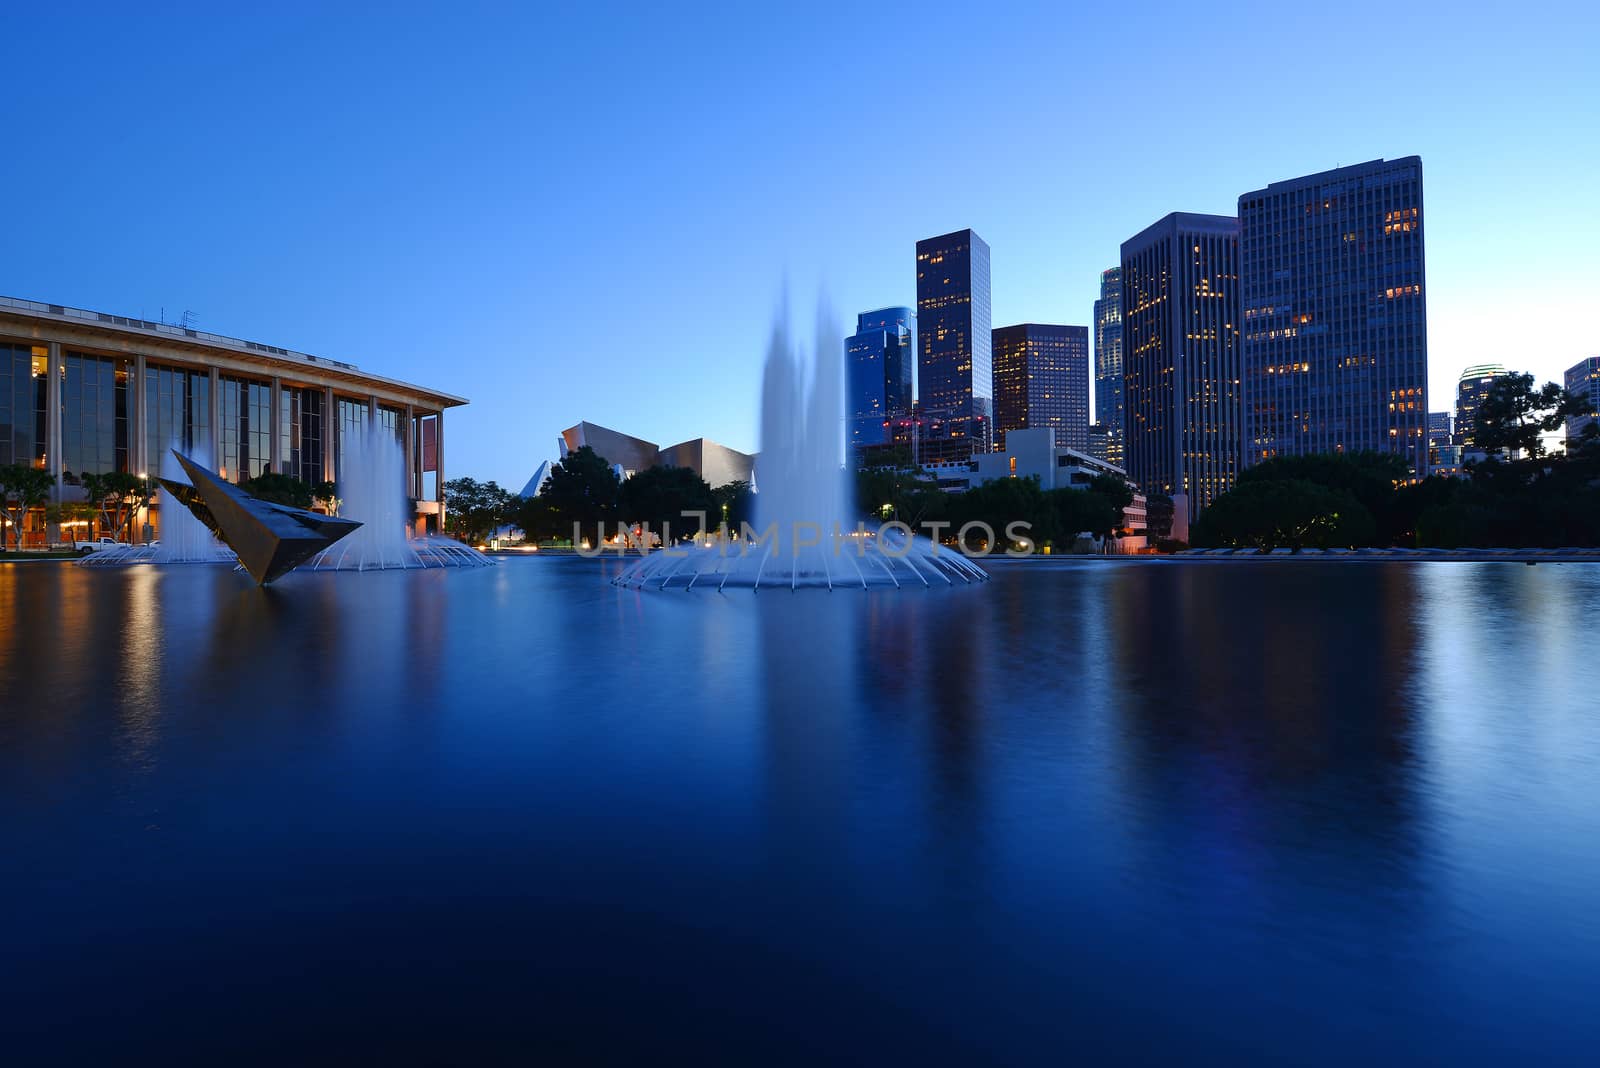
{"x": 269, "y": 538}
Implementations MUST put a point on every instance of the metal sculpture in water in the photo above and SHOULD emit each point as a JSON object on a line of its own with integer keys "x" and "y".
{"x": 270, "y": 539}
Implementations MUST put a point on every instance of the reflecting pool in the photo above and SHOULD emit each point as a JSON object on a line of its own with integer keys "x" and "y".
{"x": 1312, "y": 811}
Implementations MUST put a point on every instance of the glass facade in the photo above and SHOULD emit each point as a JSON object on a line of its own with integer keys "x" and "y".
{"x": 879, "y": 358}
{"x": 245, "y": 430}
{"x": 1180, "y": 333}
{"x": 1041, "y": 379}
{"x": 24, "y": 387}
{"x": 1583, "y": 378}
{"x": 94, "y": 413}
{"x": 300, "y": 432}
{"x": 955, "y": 375}
{"x": 1108, "y": 406}
{"x": 1335, "y": 340}
{"x": 350, "y": 422}
{"x": 1471, "y": 387}
{"x": 177, "y": 412}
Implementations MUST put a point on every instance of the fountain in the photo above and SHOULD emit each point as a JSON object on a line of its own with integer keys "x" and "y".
{"x": 184, "y": 539}
{"x": 372, "y": 491}
{"x": 801, "y": 536}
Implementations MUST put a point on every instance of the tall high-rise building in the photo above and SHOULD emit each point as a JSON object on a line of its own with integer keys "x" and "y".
{"x": 954, "y": 373}
{"x": 1180, "y": 357}
{"x": 1108, "y": 362}
{"x": 879, "y": 359}
{"x": 1583, "y": 378}
{"x": 1041, "y": 379}
{"x": 1335, "y": 344}
{"x": 1470, "y": 388}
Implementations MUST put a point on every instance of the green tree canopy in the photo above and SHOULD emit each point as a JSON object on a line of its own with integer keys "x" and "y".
{"x": 22, "y": 488}
{"x": 474, "y": 510}
{"x": 1284, "y": 513}
{"x": 658, "y": 497}
{"x": 279, "y": 489}
{"x": 580, "y": 494}
{"x": 1514, "y": 415}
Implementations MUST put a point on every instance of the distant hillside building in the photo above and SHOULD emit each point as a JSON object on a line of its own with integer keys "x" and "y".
{"x": 715, "y": 463}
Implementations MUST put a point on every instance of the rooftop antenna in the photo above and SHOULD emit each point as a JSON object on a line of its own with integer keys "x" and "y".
{"x": 188, "y": 320}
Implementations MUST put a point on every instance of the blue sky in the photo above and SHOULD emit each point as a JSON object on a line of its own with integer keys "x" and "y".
{"x": 590, "y": 213}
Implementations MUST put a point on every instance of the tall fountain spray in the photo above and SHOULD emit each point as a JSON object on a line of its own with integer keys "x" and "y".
{"x": 804, "y": 535}
{"x": 372, "y": 491}
{"x": 184, "y": 539}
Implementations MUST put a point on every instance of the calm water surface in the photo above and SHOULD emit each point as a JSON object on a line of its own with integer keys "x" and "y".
{"x": 1306, "y": 811}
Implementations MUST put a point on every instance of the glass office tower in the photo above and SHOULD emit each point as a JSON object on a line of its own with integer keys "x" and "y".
{"x": 1108, "y": 406}
{"x": 1180, "y": 357}
{"x": 1470, "y": 388}
{"x": 879, "y": 358}
{"x": 954, "y": 371}
{"x": 1583, "y": 378}
{"x": 1041, "y": 379}
{"x": 1335, "y": 346}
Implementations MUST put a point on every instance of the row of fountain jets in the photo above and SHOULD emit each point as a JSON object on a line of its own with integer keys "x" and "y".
{"x": 371, "y": 490}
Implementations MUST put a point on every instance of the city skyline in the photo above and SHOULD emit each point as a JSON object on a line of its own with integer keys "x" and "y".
{"x": 284, "y": 187}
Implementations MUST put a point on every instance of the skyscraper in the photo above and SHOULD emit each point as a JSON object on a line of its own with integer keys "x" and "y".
{"x": 1108, "y": 362}
{"x": 1583, "y": 378}
{"x": 1335, "y": 345}
{"x": 1470, "y": 388}
{"x": 1041, "y": 379}
{"x": 1180, "y": 355}
{"x": 954, "y": 374}
{"x": 878, "y": 369}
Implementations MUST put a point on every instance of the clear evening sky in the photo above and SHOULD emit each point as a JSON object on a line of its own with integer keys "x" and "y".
{"x": 578, "y": 212}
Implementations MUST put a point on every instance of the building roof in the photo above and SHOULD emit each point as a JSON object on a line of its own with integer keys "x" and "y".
{"x": 172, "y": 337}
{"x": 1353, "y": 170}
{"x": 1181, "y": 222}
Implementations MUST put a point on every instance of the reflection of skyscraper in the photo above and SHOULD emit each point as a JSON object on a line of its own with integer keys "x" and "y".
{"x": 1180, "y": 356}
{"x": 954, "y": 373}
{"x": 1583, "y": 378}
{"x": 1108, "y": 363}
{"x": 1470, "y": 390}
{"x": 1335, "y": 345}
{"x": 878, "y": 362}
{"x": 1041, "y": 379}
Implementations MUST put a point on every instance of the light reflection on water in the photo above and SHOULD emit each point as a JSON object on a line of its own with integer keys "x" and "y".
{"x": 1152, "y": 810}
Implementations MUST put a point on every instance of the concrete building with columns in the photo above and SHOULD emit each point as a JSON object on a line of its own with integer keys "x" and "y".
{"x": 86, "y": 392}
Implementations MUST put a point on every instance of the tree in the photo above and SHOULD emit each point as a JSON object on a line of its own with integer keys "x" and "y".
{"x": 736, "y": 504}
{"x": 326, "y": 494}
{"x": 279, "y": 489}
{"x": 579, "y": 495}
{"x": 118, "y": 496}
{"x": 658, "y": 497}
{"x": 1158, "y": 513}
{"x": 22, "y": 488}
{"x": 1284, "y": 513}
{"x": 476, "y": 508}
{"x": 1083, "y": 511}
{"x": 1513, "y": 416}
{"x": 1117, "y": 494}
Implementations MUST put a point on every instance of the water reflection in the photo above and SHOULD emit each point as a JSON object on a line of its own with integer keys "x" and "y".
{"x": 1125, "y": 809}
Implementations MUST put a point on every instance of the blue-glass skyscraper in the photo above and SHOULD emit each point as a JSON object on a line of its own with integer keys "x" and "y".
{"x": 954, "y": 368}
{"x": 878, "y": 368}
{"x": 1335, "y": 344}
{"x": 1583, "y": 378}
{"x": 1108, "y": 405}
